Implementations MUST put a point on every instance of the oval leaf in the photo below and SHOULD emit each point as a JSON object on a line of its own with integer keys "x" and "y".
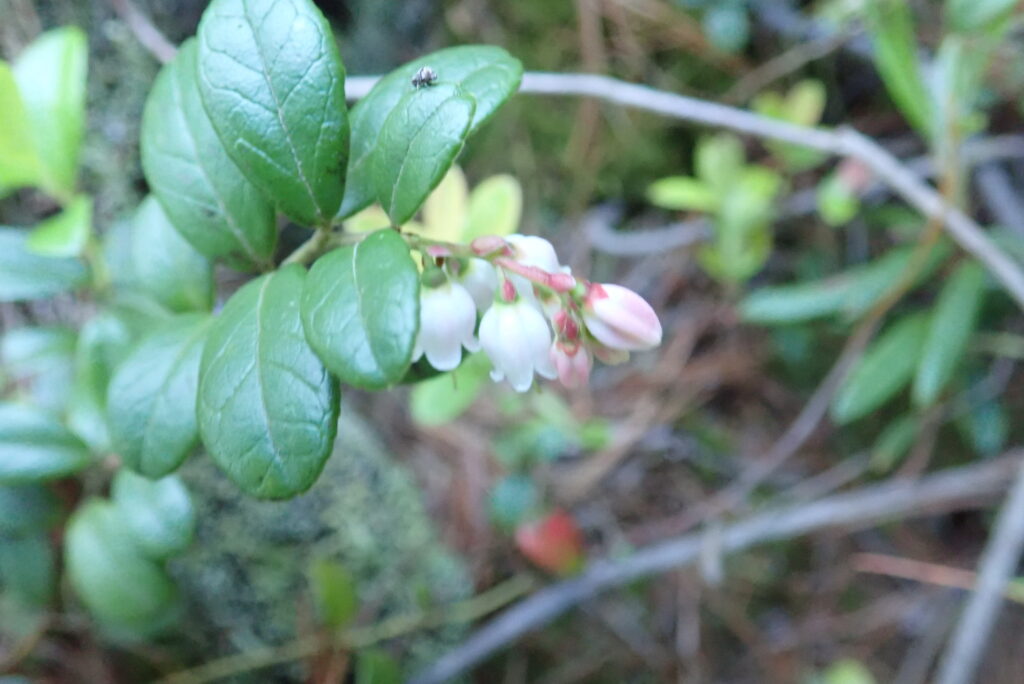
{"x": 272, "y": 80}
{"x": 361, "y": 308}
{"x": 268, "y": 409}
{"x": 25, "y": 509}
{"x": 158, "y": 514}
{"x": 27, "y": 569}
{"x": 486, "y": 73}
{"x": 205, "y": 195}
{"x": 122, "y": 588}
{"x": 51, "y": 75}
{"x": 151, "y": 402}
{"x": 102, "y": 344}
{"x": 884, "y": 370}
{"x": 495, "y": 207}
{"x": 19, "y": 162}
{"x": 166, "y": 266}
{"x": 25, "y": 275}
{"x": 67, "y": 233}
{"x": 35, "y": 447}
{"x": 952, "y": 324}
{"x": 416, "y": 146}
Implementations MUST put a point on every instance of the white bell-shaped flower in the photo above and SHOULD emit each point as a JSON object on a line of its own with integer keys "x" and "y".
{"x": 516, "y": 337}
{"x": 447, "y": 320}
{"x": 530, "y": 250}
{"x": 481, "y": 281}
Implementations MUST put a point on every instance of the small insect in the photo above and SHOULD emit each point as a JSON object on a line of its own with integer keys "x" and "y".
{"x": 424, "y": 77}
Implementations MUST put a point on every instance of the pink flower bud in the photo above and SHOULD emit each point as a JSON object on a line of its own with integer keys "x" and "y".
{"x": 573, "y": 364}
{"x": 620, "y": 318}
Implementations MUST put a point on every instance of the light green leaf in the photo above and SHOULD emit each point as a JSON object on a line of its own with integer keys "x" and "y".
{"x": 124, "y": 590}
{"x": 495, "y": 207}
{"x": 682, "y": 193}
{"x": 102, "y": 344}
{"x": 158, "y": 514}
{"x": 444, "y": 398}
{"x": 360, "y": 310}
{"x": 837, "y": 203}
{"x": 886, "y": 367}
{"x": 891, "y": 26}
{"x": 51, "y": 75}
{"x": 718, "y": 159}
{"x": 487, "y": 74}
{"x": 19, "y": 162}
{"x": 274, "y": 86}
{"x": 25, "y": 509}
{"x": 952, "y": 324}
{"x": 25, "y": 275}
{"x": 166, "y": 266}
{"x": 974, "y": 15}
{"x": 205, "y": 195}
{"x": 40, "y": 359}
{"x": 444, "y": 212}
{"x": 27, "y": 569}
{"x": 67, "y": 233}
{"x": 374, "y": 666}
{"x": 417, "y": 144}
{"x": 334, "y": 593}
{"x": 34, "y": 447}
{"x": 151, "y": 401}
{"x": 893, "y": 442}
{"x": 268, "y": 409}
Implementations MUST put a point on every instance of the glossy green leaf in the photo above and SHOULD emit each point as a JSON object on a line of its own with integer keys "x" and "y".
{"x": 495, "y": 207}
{"x": 158, "y": 514}
{"x": 25, "y": 509}
{"x": 884, "y": 369}
{"x": 19, "y": 162}
{"x": 67, "y": 233}
{"x": 123, "y": 589}
{"x": 151, "y": 401}
{"x": 27, "y": 569}
{"x": 207, "y": 198}
{"x": 273, "y": 83}
{"x": 35, "y": 447}
{"x": 103, "y": 343}
{"x": 444, "y": 398}
{"x": 51, "y": 75}
{"x": 891, "y": 25}
{"x": 25, "y": 275}
{"x": 166, "y": 266}
{"x": 334, "y": 593}
{"x": 268, "y": 409}
{"x": 952, "y": 323}
{"x": 40, "y": 359}
{"x": 360, "y": 310}
{"x": 972, "y": 15}
{"x": 417, "y": 144}
{"x": 487, "y": 74}
{"x": 682, "y": 193}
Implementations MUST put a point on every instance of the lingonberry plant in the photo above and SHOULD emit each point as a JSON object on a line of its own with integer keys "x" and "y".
{"x": 247, "y": 130}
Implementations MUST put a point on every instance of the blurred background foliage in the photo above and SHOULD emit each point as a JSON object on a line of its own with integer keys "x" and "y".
{"x": 762, "y": 260}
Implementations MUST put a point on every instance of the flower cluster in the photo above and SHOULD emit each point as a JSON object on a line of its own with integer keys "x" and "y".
{"x": 536, "y": 316}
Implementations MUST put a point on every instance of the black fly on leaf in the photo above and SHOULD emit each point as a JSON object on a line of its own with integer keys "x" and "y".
{"x": 424, "y": 77}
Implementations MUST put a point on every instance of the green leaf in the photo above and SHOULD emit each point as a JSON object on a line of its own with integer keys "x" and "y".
{"x": 886, "y": 367}
{"x": 273, "y": 83}
{"x": 25, "y": 509}
{"x": 268, "y": 409}
{"x": 334, "y": 593}
{"x": 374, "y": 666}
{"x": 123, "y": 589}
{"x": 837, "y": 203}
{"x": 25, "y": 275}
{"x": 151, "y": 401}
{"x": 157, "y": 513}
{"x": 166, "y": 266}
{"x": 417, "y": 144}
{"x": 40, "y": 360}
{"x": 514, "y": 500}
{"x": 207, "y": 198}
{"x": 891, "y": 26}
{"x": 495, "y": 207}
{"x": 35, "y": 447}
{"x": 51, "y": 75}
{"x": 444, "y": 398}
{"x": 361, "y": 308}
{"x": 893, "y": 442}
{"x": 19, "y": 162}
{"x": 718, "y": 159}
{"x": 487, "y": 74}
{"x": 682, "y": 193}
{"x": 973, "y": 15}
{"x": 27, "y": 569}
{"x": 985, "y": 427}
{"x": 953, "y": 320}
{"x": 102, "y": 344}
{"x": 444, "y": 212}
{"x": 67, "y": 233}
